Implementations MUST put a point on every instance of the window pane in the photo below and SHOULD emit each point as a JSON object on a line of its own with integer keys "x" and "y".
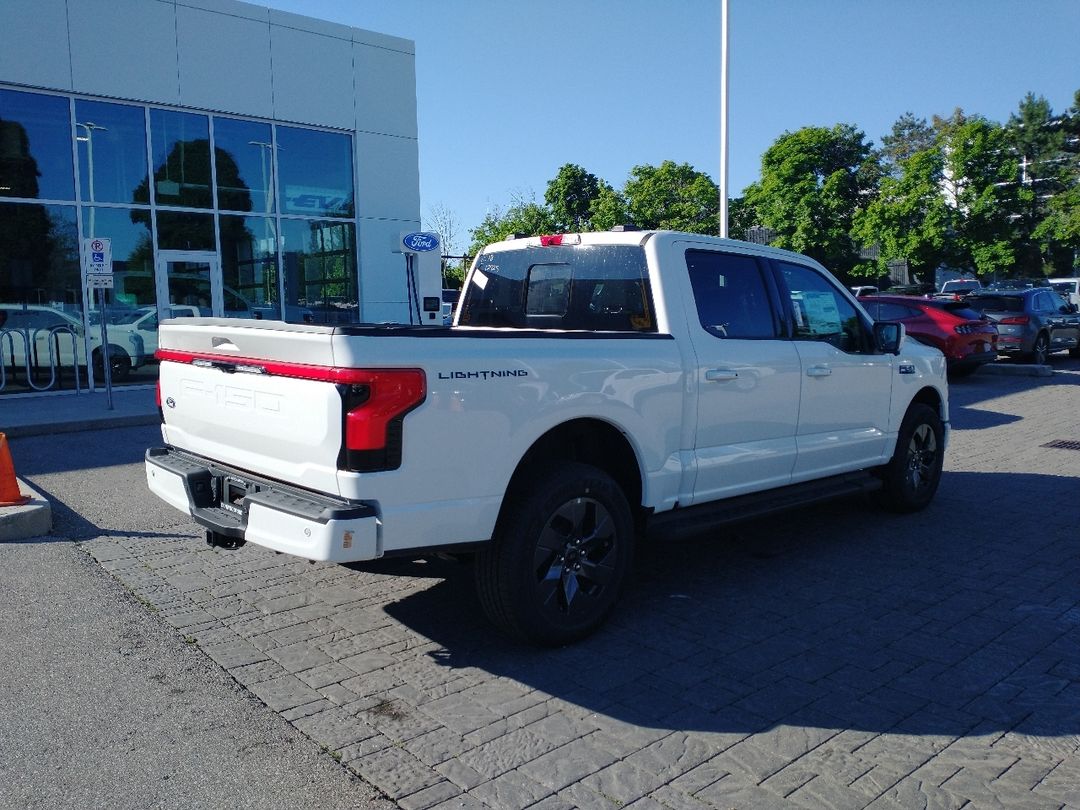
{"x": 181, "y": 143}
{"x": 316, "y": 172}
{"x": 548, "y": 289}
{"x": 112, "y": 152}
{"x": 320, "y": 271}
{"x": 132, "y": 253}
{"x": 242, "y": 152}
{"x": 185, "y": 231}
{"x": 731, "y": 296}
{"x": 35, "y": 147}
{"x": 39, "y": 263}
{"x": 249, "y": 268}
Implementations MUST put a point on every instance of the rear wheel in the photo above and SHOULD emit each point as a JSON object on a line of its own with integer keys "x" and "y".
{"x": 912, "y": 475}
{"x": 559, "y": 558}
{"x": 1040, "y": 351}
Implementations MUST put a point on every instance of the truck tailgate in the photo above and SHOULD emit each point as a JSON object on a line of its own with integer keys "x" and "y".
{"x": 222, "y": 399}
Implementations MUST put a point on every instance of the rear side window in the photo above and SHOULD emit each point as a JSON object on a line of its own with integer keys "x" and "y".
{"x": 730, "y": 293}
{"x": 587, "y": 287}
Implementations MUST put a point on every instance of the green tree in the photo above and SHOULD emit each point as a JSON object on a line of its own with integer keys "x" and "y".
{"x": 1062, "y": 221}
{"x": 672, "y": 196}
{"x": 909, "y": 219}
{"x": 570, "y": 196}
{"x": 525, "y": 217}
{"x": 1039, "y": 139}
{"x": 909, "y": 136}
{"x": 608, "y": 209}
{"x": 813, "y": 181}
{"x": 979, "y": 167}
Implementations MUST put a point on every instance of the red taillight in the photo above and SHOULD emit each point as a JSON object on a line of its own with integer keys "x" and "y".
{"x": 375, "y": 406}
{"x": 1015, "y": 320}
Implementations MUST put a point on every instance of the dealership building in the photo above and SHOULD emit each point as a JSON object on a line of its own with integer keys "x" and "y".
{"x": 241, "y": 161}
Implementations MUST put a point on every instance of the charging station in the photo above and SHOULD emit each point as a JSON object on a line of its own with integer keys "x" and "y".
{"x": 423, "y": 270}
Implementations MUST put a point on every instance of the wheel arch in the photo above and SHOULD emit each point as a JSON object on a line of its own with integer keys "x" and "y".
{"x": 588, "y": 441}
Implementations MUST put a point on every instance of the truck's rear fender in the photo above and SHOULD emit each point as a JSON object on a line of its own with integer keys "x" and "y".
{"x": 589, "y": 441}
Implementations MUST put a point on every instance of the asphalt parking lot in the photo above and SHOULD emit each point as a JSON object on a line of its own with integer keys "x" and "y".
{"x": 833, "y": 657}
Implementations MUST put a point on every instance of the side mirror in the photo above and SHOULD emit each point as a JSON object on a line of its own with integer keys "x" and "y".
{"x": 888, "y": 336}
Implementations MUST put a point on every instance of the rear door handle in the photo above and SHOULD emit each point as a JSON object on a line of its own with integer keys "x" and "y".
{"x": 818, "y": 371}
{"x": 720, "y": 374}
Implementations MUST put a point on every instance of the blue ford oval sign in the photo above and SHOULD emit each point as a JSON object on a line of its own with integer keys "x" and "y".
{"x": 420, "y": 241}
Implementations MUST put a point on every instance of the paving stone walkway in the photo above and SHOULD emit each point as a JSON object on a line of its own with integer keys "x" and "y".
{"x": 835, "y": 657}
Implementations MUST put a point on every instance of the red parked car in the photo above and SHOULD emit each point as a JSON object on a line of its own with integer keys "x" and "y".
{"x": 966, "y": 337}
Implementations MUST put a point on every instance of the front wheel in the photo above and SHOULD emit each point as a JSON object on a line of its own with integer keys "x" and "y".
{"x": 118, "y": 359}
{"x": 911, "y": 477}
{"x": 559, "y": 557}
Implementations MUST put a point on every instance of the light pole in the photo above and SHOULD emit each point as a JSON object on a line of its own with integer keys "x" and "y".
{"x": 263, "y": 148}
{"x": 723, "y": 119}
{"x": 88, "y": 139}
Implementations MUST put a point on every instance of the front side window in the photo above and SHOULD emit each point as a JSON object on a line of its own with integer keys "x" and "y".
{"x": 819, "y": 311}
{"x": 35, "y": 147}
{"x": 730, "y": 293}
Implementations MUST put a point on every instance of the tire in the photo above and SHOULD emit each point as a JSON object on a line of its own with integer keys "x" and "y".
{"x": 560, "y": 556}
{"x": 911, "y": 477}
{"x": 1074, "y": 352}
{"x": 120, "y": 361}
{"x": 1040, "y": 351}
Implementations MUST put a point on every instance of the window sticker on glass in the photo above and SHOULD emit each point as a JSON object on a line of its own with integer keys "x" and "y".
{"x": 480, "y": 280}
{"x": 819, "y": 311}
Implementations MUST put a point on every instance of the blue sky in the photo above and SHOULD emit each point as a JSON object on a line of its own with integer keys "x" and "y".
{"x": 509, "y": 91}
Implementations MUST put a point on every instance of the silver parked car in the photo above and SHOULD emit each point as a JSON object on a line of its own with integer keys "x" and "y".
{"x": 1032, "y": 322}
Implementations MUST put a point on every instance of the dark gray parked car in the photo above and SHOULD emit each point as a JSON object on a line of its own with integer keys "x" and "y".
{"x": 1032, "y": 322}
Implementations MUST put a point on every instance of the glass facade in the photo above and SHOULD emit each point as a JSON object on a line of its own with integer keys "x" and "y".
{"x": 207, "y": 214}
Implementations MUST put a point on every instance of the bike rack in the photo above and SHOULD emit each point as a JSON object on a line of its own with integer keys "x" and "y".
{"x": 30, "y": 355}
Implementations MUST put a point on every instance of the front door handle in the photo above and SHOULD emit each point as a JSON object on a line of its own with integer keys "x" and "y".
{"x": 818, "y": 371}
{"x": 720, "y": 374}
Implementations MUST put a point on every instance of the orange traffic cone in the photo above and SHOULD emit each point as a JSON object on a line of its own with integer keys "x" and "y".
{"x": 9, "y": 487}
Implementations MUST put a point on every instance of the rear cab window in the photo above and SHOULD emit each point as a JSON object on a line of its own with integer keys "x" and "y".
{"x": 583, "y": 287}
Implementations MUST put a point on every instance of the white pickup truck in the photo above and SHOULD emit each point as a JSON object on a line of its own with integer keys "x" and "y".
{"x": 591, "y": 384}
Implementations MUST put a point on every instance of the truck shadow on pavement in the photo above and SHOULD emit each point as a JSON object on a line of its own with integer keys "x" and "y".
{"x": 960, "y": 620}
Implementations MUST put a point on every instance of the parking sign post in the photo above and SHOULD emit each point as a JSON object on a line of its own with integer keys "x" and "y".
{"x": 97, "y": 257}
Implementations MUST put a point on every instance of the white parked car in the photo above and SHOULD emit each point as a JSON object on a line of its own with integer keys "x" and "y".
{"x": 1067, "y": 288}
{"x": 56, "y": 338}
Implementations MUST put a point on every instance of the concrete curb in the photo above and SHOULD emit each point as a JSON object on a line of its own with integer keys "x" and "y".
{"x": 32, "y": 519}
{"x": 1016, "y": 370}
{"x": 95, "y": 423}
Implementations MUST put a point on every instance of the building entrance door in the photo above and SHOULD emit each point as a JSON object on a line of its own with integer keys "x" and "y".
{"x": 189, "y": 284}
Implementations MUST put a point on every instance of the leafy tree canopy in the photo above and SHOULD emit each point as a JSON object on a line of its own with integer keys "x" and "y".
{"x": 673, "y": 196}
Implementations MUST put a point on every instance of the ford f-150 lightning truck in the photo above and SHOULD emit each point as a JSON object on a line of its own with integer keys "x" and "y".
{"x": 590, "y": 385}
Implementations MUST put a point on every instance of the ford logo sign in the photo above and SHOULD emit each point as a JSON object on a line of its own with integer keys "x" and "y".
{"x": 421, "y": 242}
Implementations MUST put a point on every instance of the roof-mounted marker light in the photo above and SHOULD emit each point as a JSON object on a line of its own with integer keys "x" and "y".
{"x": 560, "y": 239}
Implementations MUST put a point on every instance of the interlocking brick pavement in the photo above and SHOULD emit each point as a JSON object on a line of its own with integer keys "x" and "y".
{"x": 834, "y": 657}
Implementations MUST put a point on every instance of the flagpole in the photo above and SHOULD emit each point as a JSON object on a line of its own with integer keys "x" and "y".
{"x": 724, "y": 119}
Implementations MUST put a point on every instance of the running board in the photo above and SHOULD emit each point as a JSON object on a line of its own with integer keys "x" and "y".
{"x": 757, "y": 504}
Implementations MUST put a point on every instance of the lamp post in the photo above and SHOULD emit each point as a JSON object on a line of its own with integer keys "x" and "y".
{"x": 88, "y": 139}
{"x": 263, "y": 148}
{"x": 723, "y": 119}
{"x": 106, "y": 360}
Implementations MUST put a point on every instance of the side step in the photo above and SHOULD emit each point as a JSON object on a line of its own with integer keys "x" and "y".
{"x": 757, "y": 504}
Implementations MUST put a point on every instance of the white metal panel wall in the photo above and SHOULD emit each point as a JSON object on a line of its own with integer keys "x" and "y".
{"x": 313, "y": 77}
{"x": 385, "y": 90}
{"x": 33, "y": 43}
{"x": 124, "y": 49}
{"x": 224, "y": 60}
